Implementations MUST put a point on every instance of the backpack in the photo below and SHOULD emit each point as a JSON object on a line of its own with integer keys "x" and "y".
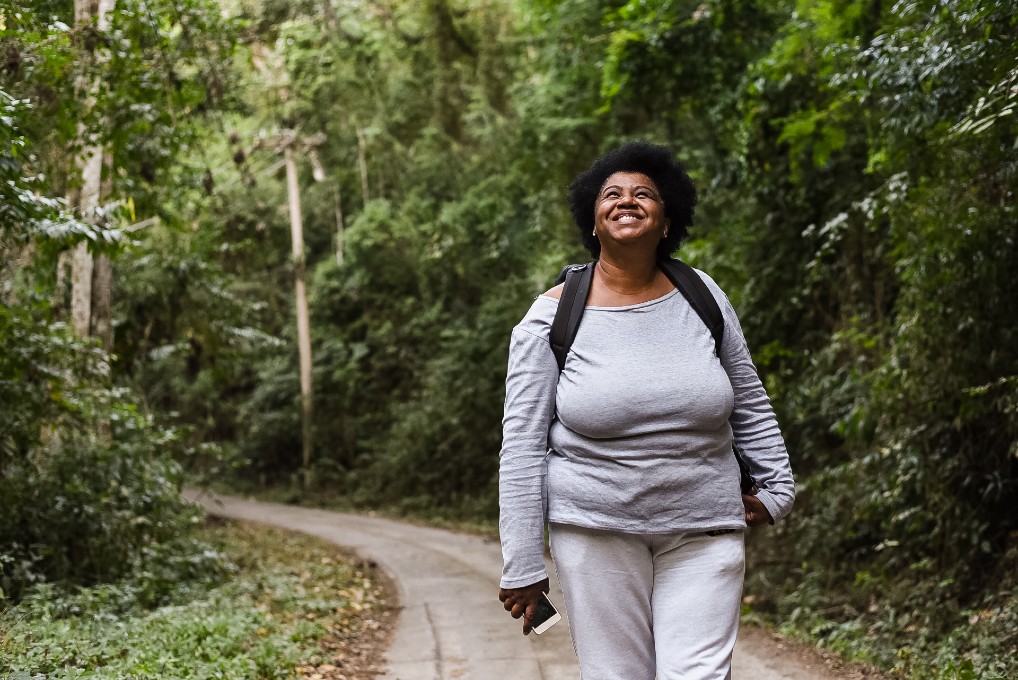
{"x": 577, "y": 279}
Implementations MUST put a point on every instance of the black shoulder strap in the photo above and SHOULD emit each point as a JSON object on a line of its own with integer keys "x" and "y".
{"x": 577, "y": 278}
{"x": 699, "y": 296}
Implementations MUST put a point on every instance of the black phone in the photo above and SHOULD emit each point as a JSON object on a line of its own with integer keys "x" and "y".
{"x": 546, "y": 615}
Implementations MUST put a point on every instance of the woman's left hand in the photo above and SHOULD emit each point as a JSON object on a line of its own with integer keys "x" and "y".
{"x": 756, "y": 512}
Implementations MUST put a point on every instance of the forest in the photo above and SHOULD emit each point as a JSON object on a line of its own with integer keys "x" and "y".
{"x": 281, "y": 244}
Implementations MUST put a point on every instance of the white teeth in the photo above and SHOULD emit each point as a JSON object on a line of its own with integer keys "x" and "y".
{"x": 628, "y": 218}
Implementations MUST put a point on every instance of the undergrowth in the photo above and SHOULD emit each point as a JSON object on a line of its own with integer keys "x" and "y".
{"x": 910, "y": 624}
{"x": 263, "y": 616}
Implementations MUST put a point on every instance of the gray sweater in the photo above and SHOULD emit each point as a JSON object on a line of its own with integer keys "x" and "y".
{"x": 635, "y": 434}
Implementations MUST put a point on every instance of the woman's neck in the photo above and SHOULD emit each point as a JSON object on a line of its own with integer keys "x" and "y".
{"x": 619, "y": 282}
{"x": 632, "y": 276}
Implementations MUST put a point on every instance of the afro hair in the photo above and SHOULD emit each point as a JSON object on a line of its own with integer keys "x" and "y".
{"x": 658, "y": 163}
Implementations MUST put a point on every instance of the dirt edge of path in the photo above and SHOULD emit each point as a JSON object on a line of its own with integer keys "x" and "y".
{"x": 342, "y": 656}
{"x": 364, "y": 654}
{"x": 826, "y": 663}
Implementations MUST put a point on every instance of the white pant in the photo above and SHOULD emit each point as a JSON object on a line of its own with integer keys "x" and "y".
{"x": 646, "y": 605}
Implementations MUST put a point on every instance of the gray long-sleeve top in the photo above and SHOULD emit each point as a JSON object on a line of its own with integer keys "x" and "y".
{"x": 635, "y": 433}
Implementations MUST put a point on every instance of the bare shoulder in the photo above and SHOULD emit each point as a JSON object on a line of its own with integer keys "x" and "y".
{"x": 555, "y": 292}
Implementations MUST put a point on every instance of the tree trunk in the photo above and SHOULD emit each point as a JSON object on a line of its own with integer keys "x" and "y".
{"x": 81, "y": 290}
{"x": 81, "y": 261}
{"x": 303, "y": 318}
{"x": 90, "y": 164}
{"x": 340, "y": 226}
{"x": 362, "y": 163}
{"x": 101, "y": 324}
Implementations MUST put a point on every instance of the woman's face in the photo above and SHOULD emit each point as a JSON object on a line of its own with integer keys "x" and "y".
{"x": 628, "y": 208}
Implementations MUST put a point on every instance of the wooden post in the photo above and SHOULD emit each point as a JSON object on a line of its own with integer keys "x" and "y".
{"x": 303, "y": 318}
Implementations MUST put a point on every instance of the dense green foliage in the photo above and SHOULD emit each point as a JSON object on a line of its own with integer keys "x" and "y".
{"x": 89, "y": 478}
{"x": 856, "y": 164}
{"x": 284, "y": 596}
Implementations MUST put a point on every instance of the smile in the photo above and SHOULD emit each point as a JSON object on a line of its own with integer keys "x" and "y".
{"x": 627, "y": 218}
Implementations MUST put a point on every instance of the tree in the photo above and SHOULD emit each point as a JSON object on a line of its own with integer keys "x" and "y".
{"x": 89, "y": 487}
{"x": 90, "y": 279}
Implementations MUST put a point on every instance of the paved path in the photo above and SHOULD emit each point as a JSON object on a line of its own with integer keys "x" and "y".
{"x": 451, "y": 625}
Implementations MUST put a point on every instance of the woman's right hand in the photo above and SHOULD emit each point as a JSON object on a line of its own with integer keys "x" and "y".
{"x": 523, "y": 601}
{"x": 756, "y": 512}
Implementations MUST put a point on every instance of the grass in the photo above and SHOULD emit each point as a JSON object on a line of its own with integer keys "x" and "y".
{"x": 290, "y": 605}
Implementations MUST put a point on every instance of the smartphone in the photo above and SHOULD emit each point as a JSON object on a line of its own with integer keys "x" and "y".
{"x": 546, "y": 615}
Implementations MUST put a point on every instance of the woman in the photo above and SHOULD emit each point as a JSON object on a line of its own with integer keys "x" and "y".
{"x": 627, "y": 452}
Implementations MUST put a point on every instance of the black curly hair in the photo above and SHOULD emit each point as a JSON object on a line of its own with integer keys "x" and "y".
{"x": 658, "y": 163}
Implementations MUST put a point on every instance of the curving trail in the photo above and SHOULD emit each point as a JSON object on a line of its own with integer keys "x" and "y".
{"x": 451, "y": 625}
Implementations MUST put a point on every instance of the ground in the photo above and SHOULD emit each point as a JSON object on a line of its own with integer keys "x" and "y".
{"x": 443, "y": 579}
{"x": 359, "y": 657}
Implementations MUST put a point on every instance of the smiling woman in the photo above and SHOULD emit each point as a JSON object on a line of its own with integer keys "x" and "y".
{"x": 629, "y": 219}
{"x": 628, "y": 207}
{"x": 626, "y": 451}
{"x": 667, "y": 178}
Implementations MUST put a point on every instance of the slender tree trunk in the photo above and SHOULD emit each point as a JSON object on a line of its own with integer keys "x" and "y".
{"x": 81, "y": 290}
{"x": 303, "y": 318}
{"x": 81, "y": 261}
{"x": 102, "y": 301}
{"x": 340, "y": 226}
{"x": 101, "y": 322}
{"x": 90, "y": 164}
{"x": 362, "y": 163}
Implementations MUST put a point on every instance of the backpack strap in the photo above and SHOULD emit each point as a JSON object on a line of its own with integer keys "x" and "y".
{"x": 699, "y": 296}
{"x": 571, "y": 304}
{"x": 578, "y": 277}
